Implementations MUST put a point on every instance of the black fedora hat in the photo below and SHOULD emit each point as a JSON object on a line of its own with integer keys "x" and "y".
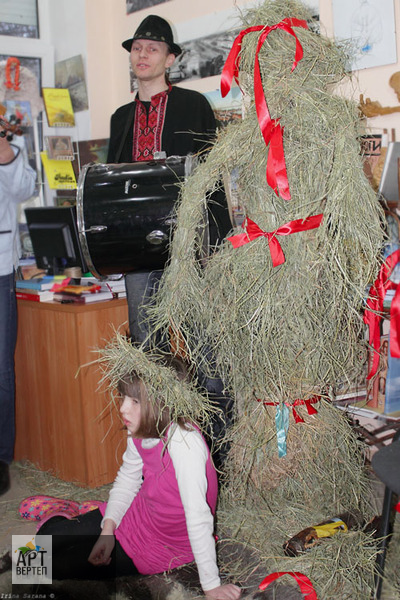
{"x": 154, "y": 28}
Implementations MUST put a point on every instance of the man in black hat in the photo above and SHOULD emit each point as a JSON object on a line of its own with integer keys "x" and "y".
{"x": 161, "y": 118}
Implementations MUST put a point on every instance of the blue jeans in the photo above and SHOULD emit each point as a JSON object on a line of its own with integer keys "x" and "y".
{"x": 8, "y": 338}
{"x": 140, "y": 289}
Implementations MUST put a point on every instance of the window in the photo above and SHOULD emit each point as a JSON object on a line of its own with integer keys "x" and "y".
{"x": 19, "y": 18}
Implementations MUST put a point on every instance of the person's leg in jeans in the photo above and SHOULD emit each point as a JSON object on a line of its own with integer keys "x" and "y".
{"x": 72, "y": 543}
{"x": 140, "y": 288}
{"x": 8, "y": 337}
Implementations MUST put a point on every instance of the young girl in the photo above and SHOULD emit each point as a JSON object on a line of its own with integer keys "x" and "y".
{"x": 160, "y": 510}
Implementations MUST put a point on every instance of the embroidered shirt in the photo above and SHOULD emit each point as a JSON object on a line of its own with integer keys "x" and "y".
{"x": 148, "y": 126}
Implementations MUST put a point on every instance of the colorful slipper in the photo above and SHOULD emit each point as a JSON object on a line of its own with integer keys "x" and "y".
{"x": 89, "y": 505}
{"x": 43, "y": 508}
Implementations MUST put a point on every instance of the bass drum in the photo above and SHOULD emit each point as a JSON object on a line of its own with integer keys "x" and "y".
{"x": 125, "y": 213}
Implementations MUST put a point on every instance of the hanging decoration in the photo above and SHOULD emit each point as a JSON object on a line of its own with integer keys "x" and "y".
{"x": 13, "y": 70}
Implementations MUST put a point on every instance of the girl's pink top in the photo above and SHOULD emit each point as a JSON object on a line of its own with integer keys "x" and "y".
{"x": 153, "y": 531}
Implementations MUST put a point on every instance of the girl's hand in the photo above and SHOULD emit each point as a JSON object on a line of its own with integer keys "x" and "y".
{"x": 101, "y": 551}
{"x": 224, "y": 592}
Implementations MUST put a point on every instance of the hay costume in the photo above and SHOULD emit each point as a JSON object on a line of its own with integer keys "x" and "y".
{"x": 281, "y": 302}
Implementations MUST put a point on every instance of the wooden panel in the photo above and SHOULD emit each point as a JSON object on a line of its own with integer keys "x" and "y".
{"x": 60, "y": 425}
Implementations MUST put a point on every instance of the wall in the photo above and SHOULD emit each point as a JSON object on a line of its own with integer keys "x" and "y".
{"x": 108, "y": 62}
{"x": 372, "y": 83}
{"x": 67, "y": 33}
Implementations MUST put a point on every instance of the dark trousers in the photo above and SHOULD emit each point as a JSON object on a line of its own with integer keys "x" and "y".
{"x": 73, "y": 540}
{"x": 8, "y": 337}
{"x": 140, "y": 289}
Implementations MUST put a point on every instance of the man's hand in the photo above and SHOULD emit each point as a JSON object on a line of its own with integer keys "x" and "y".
{"x": 224, "y": 592}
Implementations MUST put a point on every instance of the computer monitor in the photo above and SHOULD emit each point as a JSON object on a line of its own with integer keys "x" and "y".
{"x": 55, "y": 241}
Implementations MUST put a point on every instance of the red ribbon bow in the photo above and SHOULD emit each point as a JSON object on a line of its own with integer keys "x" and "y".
{"x": 374, "y": 308}
{"x": 307, "y": 403}
{"x": 305, "y": 585}
{"x": 253, "y": 231}
{"x": 271, "y": 129}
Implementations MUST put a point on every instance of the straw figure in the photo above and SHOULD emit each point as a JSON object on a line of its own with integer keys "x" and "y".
{"x": 276, "y": 312}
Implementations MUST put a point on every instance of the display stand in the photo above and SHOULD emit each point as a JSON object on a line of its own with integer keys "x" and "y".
{"x": 63, "y": 424}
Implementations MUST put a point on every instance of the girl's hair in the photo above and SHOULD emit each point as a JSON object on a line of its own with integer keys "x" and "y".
{"x": 154, "y": 418}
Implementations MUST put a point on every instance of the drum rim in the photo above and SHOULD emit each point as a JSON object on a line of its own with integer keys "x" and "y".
{"x": 81, "y": 219}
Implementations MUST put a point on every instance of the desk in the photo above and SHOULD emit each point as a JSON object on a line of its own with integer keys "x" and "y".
{"x": 63, "y": 424}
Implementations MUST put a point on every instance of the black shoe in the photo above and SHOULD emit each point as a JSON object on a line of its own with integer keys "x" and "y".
{"x": 4, "y": 477}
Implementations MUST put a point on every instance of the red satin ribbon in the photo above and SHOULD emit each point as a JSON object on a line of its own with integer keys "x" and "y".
{"x": 307, "y": 403}
{"x": 271, "y": 129}
{"x": 374, "y": 308}
{"x": 305, "y": 585}
{"x": 253, "y": 231}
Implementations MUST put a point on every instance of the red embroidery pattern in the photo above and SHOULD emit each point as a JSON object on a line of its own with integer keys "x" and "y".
{"x": 148, "y": 128}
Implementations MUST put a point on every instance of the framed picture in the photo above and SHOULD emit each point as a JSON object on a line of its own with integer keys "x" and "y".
{"x": 70, "y": 74}
{"x": 135, "y": 5}
{"x": 59, "y": 147}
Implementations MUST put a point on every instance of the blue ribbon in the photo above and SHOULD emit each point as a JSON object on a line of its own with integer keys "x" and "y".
{"x": 282, "y": 426}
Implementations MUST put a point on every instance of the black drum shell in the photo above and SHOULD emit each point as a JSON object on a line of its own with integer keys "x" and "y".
{"x": 121, "y": 206}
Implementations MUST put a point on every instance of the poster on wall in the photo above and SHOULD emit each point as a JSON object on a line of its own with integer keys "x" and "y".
{"x": 70, "y": 74}
{"x": 135, "y": 5}
{"x": 202, "y": 57}
{"x": 368, "y": 28}
{"x": 228, "y": 109}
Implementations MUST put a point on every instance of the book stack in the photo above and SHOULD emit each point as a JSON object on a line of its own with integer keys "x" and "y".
{"x": 116, "y": 286}
{"x": 82, "y": 294}
{"x": 37, "y": 289}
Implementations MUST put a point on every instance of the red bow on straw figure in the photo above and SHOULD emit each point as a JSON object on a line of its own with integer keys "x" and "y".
{"x": 305, "y": 585}
{"x": 299, "y": 402}
{"x": 253, "y": 231}
{"x": 271, "y": 129}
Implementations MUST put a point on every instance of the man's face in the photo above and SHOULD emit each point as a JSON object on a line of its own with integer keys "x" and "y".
{"x": 150, "y": 59}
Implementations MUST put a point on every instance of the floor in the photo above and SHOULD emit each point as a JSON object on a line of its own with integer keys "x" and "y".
{"x": 182, "y": 586}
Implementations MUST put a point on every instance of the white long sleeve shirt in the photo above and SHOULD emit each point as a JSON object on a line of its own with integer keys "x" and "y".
{"x": 17, "y": 183}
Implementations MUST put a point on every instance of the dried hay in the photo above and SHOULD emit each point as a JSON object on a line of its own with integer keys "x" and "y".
{"x": 323, "y": 467}
{"x": 45, "y": 483}
{"x": 288, "y": 332}
{"x": 119, "y": 358}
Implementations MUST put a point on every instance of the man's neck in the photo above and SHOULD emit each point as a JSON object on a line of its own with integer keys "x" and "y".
{"x": 147, "y": 89}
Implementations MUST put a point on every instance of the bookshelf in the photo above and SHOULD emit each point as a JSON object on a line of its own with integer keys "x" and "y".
{"x": 61, "y": 422}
